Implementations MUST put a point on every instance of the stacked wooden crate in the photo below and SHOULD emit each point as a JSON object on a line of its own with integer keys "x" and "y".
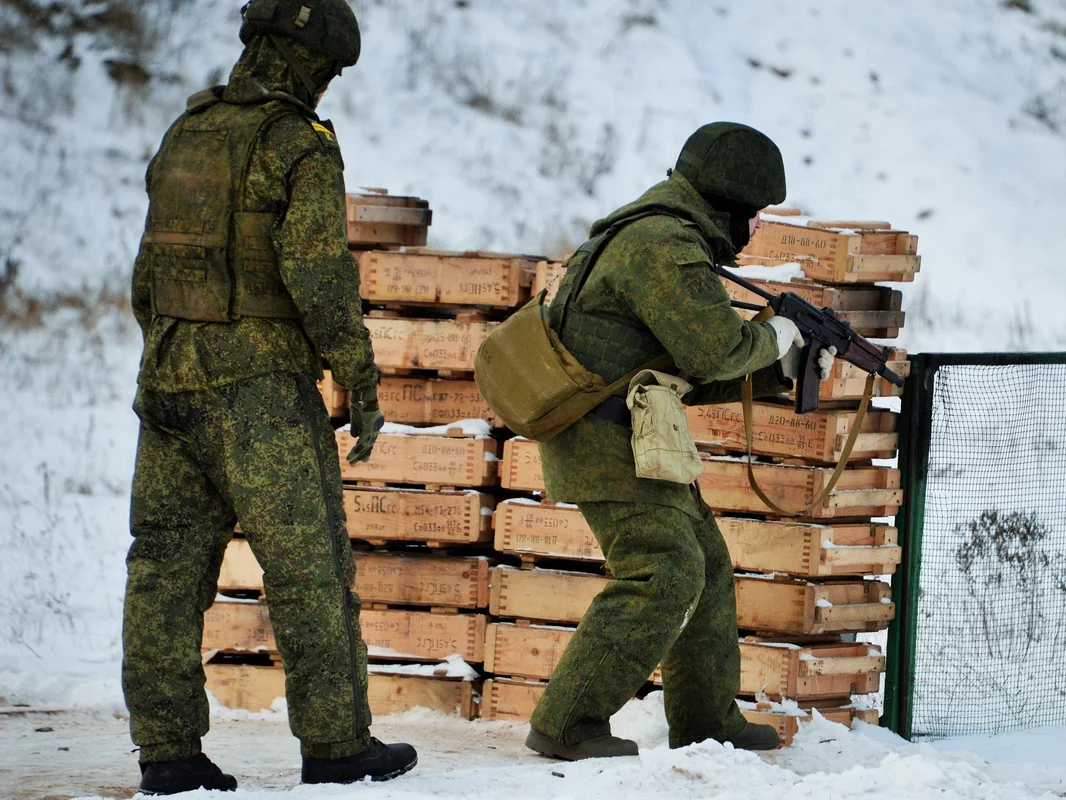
{"x": 449, "y": 523}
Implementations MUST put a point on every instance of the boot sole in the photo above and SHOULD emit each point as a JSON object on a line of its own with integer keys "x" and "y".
{"x": 539, "y": 743}
{"x": 396, "y": 773}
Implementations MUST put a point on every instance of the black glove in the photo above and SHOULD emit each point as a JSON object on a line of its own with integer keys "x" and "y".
{"x": 367, "y": 421}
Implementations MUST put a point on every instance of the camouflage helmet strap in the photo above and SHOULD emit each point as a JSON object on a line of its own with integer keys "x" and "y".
{"x": 294, "y": 62}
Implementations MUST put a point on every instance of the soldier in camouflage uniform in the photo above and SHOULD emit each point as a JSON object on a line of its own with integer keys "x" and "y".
{"x": 242, "y": 284}
{"x": 672, "y": 600}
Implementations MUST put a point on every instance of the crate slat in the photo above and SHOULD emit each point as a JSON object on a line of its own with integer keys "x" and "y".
{"x": 383, "y": 220}
{"x": 423, "y": 459}
{"x": 525, "y": 528}
{"x": 252, "y": 688}
{"x": 422, "y": 580}
{"x": 448, "y": 278}
{"x": 431, "y": 344}
{"x": 777, "y": 430}
{"x": 416, "y": 515}
{"x": 539, "y": 594}
{"x": 431, "y": 401}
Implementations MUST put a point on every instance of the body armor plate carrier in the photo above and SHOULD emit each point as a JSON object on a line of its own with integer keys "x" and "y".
{"x": 210, "y": 262}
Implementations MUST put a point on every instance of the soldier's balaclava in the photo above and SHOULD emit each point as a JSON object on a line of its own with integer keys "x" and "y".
{"x": 736, "y": 169}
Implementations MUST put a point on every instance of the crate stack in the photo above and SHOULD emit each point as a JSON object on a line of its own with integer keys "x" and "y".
{"x": 458, "y": 553}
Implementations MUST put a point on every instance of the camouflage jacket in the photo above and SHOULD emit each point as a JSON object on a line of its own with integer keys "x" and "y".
{"x": 656, "y": 272}
{"x": 296, "y": 171}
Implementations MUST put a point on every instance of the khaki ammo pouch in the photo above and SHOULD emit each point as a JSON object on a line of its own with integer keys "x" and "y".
{"x": 663, "y": 449}
{"x": 532, "y": 382}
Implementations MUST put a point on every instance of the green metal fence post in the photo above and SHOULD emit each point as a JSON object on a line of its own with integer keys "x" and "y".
{"x": 915, "y": 431}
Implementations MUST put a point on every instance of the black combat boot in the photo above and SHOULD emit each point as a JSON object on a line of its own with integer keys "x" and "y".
{"x": 379, "y": 762}
{"x": 755, "y": 737}
{"x": 184, "y": 775}
{"x": 605, "y": 746}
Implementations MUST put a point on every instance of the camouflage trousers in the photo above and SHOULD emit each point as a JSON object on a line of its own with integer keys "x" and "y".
{"x": 671, "y": 602}
{"x": 260, "y": 452}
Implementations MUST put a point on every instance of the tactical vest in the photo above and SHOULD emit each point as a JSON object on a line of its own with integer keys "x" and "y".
{"x": 606, "y": 344}
{"x": 208, "y": 261}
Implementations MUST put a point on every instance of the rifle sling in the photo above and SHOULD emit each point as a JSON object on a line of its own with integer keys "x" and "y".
{"x": 747, "y": 396}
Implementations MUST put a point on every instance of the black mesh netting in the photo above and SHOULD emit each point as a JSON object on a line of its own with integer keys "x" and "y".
{"x": 991, "y": 628}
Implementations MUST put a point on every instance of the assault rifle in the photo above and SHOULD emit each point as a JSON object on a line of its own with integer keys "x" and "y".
{"x": 820, "y": 329}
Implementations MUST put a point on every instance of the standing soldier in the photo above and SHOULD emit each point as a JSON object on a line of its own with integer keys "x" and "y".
{"x": 672, "y": 599}
{"x": 243, "y": 282}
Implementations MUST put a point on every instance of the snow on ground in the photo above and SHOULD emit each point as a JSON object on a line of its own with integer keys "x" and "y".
{"x": 521, "y": 123}
{"x": 88, "y": 755}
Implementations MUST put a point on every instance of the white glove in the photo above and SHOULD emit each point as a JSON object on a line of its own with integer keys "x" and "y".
{"x": 788, "y": 335}
{"x": 790, "y": 363}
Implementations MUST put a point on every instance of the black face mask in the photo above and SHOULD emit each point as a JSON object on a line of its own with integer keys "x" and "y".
{"x": 739, "y": 217}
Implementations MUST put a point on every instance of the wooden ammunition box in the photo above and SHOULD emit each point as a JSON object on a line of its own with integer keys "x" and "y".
{"x": 797, "y": 607}
{"x": 872, "y": 311}
{"x": 498, "y": 280}
{"x": 255, "y": 689}
{"x": 549, "y": 274}
{"x": 814, "y": 551}
{"x": 514, "y": 700}
{"x": 399, "y": 635}
{"x": 838, "y": 252}
{"x": 383, "y": 220}
{"x": 835, "y": 670}
{"x": 334, "y": 395}
{"x": 527, "y": 528}
{"x": 423, "y": 459}
{"x": 431, "y": 401}
{"x": 521, "y": 469}
{"x": 542, "y": 594}
{"x": 244, "y": 627}
{"x": 422, "y": 580}
{"x": 416, "y": 515}
{"x": 777, "y": 430}
{"x": 427, "y": 344}
{"x": 860, "y": 492}
{"x": 846, "y": 383}
{"x": 240, "y": 571}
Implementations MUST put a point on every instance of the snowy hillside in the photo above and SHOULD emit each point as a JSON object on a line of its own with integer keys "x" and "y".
{"x": 521, "y": 122}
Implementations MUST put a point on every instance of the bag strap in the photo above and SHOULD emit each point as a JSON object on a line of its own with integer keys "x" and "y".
{"x": 853, "y": 435}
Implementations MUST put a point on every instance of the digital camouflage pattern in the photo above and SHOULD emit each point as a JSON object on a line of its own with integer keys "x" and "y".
{"x": 655, "y": 276}
{"x": 735, "y": 162}
{"x": 260, "y": 451}
{"x": 672, "y": 603}
{"x": 234, "y": 430}
{"x": 296, "y": 171}
{"x": 672, "y": 600}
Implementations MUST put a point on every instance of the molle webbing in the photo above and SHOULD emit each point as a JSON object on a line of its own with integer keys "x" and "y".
{"x": 210, "y": 262}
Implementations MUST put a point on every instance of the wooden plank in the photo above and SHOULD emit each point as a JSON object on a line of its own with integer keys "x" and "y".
{"x": 549, "y": 274}
{"x": 417, "y": 635}
{"x": 541, "y": 594}
{"x": 443, "y": 344}
{"x": 251, "y": 688}
{"x": 432, "y": 401}
{"x": 860, "y": 492}
{"x": 510, "y": 700}
{"x": 526, "y": 528}
{"x": 791, "y": 606}
{"x": 422, "y": 580}
{"x": 415, "y": 515}
{"x": 240, "y": 571}
{"x": 520, "y": 467}
{"x": 810, "y": 550}
{"x": 856, "y": 255}
{"x": 423, "y": 459}
{"x": 382, "y": 220}
{"x": 334, "y": 395}
{"x": 788, "y": 725}
{"x": 241, "y": 627}
{"x": 526, "y": 651}
{"x": 777, "y": 430}
{"x": 437, "y": 276}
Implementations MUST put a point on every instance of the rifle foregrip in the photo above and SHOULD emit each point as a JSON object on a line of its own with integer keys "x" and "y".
{"x": 807, "y": 385}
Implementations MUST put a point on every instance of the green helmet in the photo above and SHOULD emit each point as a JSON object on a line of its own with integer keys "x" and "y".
{"x": 327, "y": 27}
{"x": 733, "y": 161}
